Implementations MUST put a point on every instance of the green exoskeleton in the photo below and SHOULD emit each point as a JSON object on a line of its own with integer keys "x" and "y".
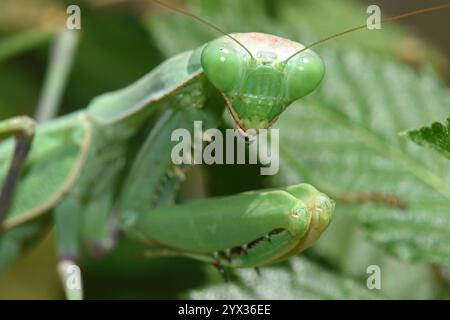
{"x": 106, "y": 170}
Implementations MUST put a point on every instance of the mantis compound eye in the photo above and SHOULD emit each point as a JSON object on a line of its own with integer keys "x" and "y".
{"x": 223, "y": 64}
{"x": 304, "y": 74}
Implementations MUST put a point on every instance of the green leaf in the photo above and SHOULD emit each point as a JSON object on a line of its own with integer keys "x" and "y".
{"x": 437, "y": 137}
{"x": 345, "y": 247}
{"x": 300, "y": 279}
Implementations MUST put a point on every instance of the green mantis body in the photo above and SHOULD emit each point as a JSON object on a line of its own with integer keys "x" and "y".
{"x": 108, "y": 168}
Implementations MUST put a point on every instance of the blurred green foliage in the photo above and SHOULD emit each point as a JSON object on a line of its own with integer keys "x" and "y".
{"x": 348, "y": 142}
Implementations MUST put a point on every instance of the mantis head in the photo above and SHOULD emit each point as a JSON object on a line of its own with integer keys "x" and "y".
{"x": 259, "y": 77}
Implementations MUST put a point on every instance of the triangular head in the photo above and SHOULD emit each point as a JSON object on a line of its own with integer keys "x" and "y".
{"x": 259, "y": 81}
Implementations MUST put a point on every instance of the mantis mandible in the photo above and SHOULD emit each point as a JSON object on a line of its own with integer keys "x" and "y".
{"x": 107, "y": 168}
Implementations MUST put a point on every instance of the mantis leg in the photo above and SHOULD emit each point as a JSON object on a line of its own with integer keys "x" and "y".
{"x": 74, "y": 221}
{"x": 23, "y": 128}
{"x": 100, "y": 229}
{"x": 89, "y": 218}
{"x": 67, "y": 224}
{"x": 150, "y": 178}
{"x": 60, "y": 65}
{"x": 154, "y": 179}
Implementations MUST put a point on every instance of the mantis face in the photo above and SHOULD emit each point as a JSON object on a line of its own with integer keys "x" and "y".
{"x": 259, "y": 87}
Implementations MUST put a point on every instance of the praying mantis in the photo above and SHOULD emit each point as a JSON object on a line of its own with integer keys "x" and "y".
{"x": 106, "y": 169}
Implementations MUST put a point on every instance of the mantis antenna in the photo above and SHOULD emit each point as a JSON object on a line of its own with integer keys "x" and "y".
{"x": 209, "y": 24}
{"x": 363, "y": 26}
